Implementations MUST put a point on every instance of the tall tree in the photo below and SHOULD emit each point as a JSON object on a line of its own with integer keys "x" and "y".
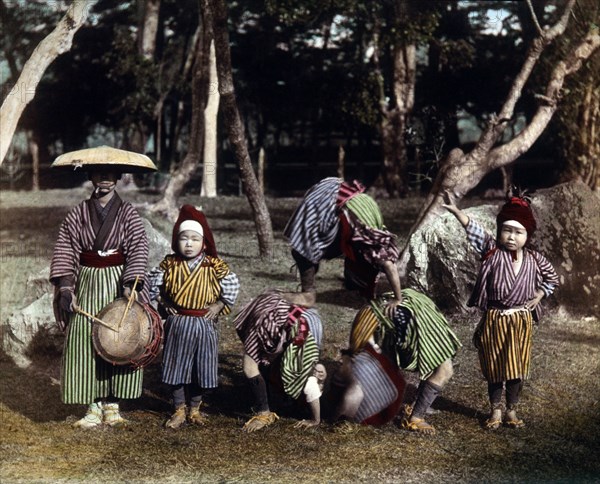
{"x": 217, "y": 12}
{"x": 209, "y": 158}
{"x": 56, "y": 43}
{"x": 461, "y": 171}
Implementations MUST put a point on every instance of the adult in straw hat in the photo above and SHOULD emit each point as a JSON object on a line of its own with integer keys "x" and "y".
{"x": 101, "y": 250}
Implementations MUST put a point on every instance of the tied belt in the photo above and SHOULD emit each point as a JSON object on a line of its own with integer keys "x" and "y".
{"x": 505, "y": 310}
{"x": 90, "y": 258}
{"x": 198, "y": 313}
{"x": 296, "y": 316}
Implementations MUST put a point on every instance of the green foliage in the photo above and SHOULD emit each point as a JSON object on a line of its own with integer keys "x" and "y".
{"x": 131, "y": 78}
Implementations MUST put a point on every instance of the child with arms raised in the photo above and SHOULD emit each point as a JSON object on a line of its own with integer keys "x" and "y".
{"x": 512, "y": 281}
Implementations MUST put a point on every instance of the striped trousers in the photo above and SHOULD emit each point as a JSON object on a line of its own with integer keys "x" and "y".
{"x": 504, "y": 344}
{"x": 85, "y": 376}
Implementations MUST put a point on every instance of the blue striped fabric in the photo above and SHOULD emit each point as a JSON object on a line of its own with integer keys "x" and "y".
{"x": 378, "y": 389}
{"x": 314, "y": 224}
{"x": 191, "y": 348}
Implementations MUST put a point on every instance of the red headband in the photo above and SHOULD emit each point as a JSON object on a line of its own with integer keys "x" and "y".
{"x": 188, "y": 212}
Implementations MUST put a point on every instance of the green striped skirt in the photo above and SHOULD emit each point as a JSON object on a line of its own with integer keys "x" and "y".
{"x": 504, "y": 344}
{"x": 85, "y": 376}
{"x": 429, "y": 341}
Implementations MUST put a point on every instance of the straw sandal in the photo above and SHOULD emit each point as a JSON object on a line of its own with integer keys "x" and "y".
{"x": 418, "y": 425}
{"x": 492, "y": 424}
{"x": 259, "y": 421}
{"x": 92, "y": 418}
{"x": 177, "y": 418}
{"x": 112, "y": 417}
{"x": 196, "y": 417}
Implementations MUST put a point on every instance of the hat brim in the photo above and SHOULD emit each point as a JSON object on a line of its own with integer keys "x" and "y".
{"x": 105, "y": 158}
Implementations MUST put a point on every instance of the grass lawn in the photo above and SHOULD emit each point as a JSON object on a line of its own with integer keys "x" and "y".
{"x": 560, "y": 403}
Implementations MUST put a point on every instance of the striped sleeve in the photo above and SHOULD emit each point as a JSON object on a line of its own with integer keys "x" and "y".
{"x": 481, "y": 240}
{"x": 549, "y": 277}
{"x": 65, "y": 259}
{"x": 135, "y": 245}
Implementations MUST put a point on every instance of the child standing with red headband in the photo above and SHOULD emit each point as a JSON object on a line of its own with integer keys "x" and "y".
{"x": 512, "y": 281}
{"x": 195, "y": 287}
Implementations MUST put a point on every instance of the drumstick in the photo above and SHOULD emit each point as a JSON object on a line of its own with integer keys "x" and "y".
{"x": 129, "y": 301}
{"x": 93, "y": 318}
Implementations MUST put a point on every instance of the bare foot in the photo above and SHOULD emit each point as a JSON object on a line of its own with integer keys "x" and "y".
{"x": 305, "y": 299}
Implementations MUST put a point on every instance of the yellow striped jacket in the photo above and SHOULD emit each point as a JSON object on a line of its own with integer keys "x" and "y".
{"x": 197, "y": 289}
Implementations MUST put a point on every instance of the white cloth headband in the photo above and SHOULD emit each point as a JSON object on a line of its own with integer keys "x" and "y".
{"x": 514, "y": 223}
{"x": 191, "y": 225}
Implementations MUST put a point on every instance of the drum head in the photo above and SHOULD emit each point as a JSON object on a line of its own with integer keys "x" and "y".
{"x": 129, "y": 336}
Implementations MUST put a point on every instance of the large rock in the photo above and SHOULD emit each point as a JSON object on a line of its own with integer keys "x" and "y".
{"x": 443, "y": 265}
{"x": 21, "y": 326}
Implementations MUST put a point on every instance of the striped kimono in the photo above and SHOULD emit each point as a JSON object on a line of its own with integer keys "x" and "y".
{"x": 270, "y": 328}
{"x": 191, "y": 340}
{"x": 421, "y": 343}
{"x": 504, "y": 335}
{"x": 97, "y": 250}
{"x": 336, "y": 218}
{"x": 382, "y": 387}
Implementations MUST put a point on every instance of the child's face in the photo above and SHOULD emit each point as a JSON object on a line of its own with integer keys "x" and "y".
{"x": 512, "y": 238}
{"x": 190, "y": 244}
{"x": 320, "y": 373}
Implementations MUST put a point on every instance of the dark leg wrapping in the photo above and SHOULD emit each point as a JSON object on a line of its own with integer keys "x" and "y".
{"x": 196, "y": 394}
{"x": 178, "y": 395}
{"x": 308, "y": 272}
{"x": 495, "y": 393}
{"x": 259, "y": 391}
{"x": 426, "y": 394}
{"x": 513, "y": 390}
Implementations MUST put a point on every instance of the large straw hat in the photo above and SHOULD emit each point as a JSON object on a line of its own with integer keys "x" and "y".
{"x": 105, "y": 157}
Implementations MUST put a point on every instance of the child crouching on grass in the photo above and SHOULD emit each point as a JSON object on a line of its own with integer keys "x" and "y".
{"x": 194, "y": 286}
{"x": 512, "y": 281}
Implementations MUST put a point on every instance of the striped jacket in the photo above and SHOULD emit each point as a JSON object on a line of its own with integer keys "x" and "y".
{"x": 497, "y": 281}
{"x": 77, "y": 234}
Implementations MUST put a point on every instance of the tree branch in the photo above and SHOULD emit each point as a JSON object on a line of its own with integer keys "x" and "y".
{"x": 535, "y": 19}
{"x": 510, "y": 151}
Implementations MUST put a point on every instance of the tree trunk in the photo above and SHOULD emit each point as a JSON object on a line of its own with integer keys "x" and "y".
{"x": 395, "y": 111}
{"x": 235, "y": 128}
{"x": 181, "y": 176}
{"x": 54, "y": 44}
{"x": 35, "y": 161}
{"x": 462, "y": 172}
{"x": 149, "y": 28}
{"x": 209, "y": 173}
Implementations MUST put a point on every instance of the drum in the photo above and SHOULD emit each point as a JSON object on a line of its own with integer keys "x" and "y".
{"x": 127, "y": 334}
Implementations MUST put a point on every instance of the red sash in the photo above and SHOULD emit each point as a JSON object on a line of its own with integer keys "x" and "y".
{"x": 198, "y": 313}
{"x": 91, "y": 258}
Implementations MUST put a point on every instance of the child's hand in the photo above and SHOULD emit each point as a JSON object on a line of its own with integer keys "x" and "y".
{"x": 214, "y": 309}
{"x": 449, "y": 203}
{"x": 532, "y": 303}
{"x": 390, "y": 307}
{"x": 306, "y": 424}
